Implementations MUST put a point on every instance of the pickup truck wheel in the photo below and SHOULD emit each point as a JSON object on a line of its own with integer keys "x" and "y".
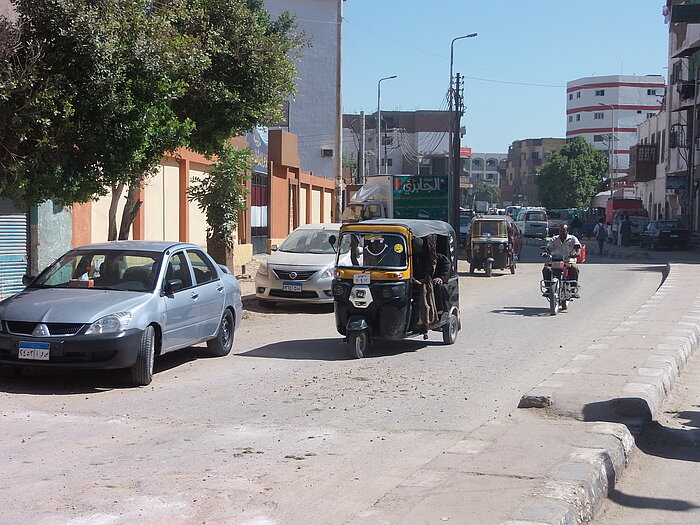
{"x": 652, "y": 244}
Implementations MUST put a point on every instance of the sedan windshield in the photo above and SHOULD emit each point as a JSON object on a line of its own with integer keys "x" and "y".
{"x": 309, "y": 241}
{"x": 106, "y": 269}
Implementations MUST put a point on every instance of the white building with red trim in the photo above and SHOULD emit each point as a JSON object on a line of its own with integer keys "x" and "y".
{"x": 611, "y": 107}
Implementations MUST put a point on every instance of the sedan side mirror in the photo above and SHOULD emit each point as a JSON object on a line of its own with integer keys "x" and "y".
{"x": 274, "y": 248}
{"x": 26, "y": 279}
{"x": 172, "y": 286}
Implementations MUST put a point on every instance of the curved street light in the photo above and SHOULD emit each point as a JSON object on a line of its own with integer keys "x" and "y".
{"x": 379, "y": 123}
{"x": 453, "y": 171}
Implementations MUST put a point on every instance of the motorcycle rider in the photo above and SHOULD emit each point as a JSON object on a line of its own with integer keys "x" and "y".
{"x": 564, "y": 246}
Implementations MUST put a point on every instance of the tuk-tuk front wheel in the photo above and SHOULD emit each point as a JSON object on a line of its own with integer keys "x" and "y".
{"x": 449, "y": 331}
{"x": 358, "y": 343}
{"x": 513, "y": 265}
{"x": 488, "y": 267}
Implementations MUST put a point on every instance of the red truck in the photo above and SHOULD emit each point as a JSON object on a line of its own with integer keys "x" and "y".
{"x": 614, "y": 205}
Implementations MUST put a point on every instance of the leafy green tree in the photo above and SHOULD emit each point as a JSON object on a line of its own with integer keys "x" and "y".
{"x": 221, "y": 192}
{"x": 98, "y": 90}
{"x": 483, "y": 191}
{"x": 569, "y": 177}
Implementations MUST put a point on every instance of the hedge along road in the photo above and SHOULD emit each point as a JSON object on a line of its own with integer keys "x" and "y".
{"x": 289, "y": 429}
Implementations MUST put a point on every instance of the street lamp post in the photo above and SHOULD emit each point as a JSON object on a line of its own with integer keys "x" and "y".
{"x": 453, "y": 171}
{"x": 611, "y": 148}
{"x": 379, "y": 123}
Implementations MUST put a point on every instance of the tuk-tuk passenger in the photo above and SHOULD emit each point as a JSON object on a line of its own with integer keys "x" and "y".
{"x": 432, "y": 269}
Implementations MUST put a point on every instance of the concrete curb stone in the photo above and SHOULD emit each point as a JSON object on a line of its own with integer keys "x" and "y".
{"x": 578, "y": 489}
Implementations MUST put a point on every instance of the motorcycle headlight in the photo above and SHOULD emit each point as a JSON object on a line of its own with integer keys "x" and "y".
{"x": 262, "y": 269}
{"x": 110, "y": 323}
{"x": 328, "y": 272}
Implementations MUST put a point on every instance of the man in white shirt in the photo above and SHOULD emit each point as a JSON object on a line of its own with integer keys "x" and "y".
{"x": 565, "y": 246}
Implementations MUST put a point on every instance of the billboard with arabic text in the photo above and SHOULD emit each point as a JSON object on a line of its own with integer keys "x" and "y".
{"x": 420, "y": 197}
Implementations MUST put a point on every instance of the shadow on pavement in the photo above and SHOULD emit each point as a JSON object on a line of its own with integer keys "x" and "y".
{"x": 526, "y": 311}
{"x": 651, "y": 437}
{"x": 333, "y": 349}
{"x": 640, "y": 502}
{"x": 67, "y": 381}
{"x": 252, "y": 304}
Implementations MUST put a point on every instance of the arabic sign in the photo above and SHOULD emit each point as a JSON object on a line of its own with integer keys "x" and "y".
{"x": 676, "y": 182}
{"x": 420, "y": 197}
{"x": 257, "y": 142}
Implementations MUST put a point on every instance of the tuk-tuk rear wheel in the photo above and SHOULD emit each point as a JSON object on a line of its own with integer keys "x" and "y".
{"x": 449, "y": 331}
{"x": 358, "y": 343}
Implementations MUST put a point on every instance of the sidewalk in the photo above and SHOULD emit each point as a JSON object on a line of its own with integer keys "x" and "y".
{"x": 503, "y": 474}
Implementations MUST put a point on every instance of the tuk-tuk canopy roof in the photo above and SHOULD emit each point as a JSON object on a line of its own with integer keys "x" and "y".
{"x": 418, "y": 227}
{"x": 506, "y": 218}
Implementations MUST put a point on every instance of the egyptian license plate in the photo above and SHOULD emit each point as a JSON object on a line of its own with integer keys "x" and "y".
{"x": 291, "y": 286}
{"x": 360, "y": 278}
{"x": 674, "y": 236}
{"x": 36, "y": 351}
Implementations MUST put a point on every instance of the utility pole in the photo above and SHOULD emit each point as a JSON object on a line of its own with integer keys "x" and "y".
{"x": 361, "y": 165}
{"x": 339, "y": 114}
{"x": 456, "y": 164}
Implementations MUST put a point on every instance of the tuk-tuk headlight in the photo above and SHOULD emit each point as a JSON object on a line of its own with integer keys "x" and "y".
{"x": 501, "y": 247}
{"x": 339, "y": 290}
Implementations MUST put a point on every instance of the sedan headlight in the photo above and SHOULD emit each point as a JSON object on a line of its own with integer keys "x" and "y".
{"x": 328, "y": 272}
{"x": 262, "y": 269}
{"x": 110, "y": 323}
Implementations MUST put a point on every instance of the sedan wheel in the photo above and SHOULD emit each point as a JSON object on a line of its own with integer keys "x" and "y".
{"x": 142, "y": 371}
{"x": 223, "y": 342}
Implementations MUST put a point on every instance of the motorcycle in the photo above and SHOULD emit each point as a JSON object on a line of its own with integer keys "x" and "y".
{"x": 559, "y": 289}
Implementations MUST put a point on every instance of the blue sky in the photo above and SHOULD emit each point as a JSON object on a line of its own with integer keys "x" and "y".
{"x": 517, "y": 67}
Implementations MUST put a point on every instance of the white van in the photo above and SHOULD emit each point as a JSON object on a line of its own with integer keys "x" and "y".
{"x": 532, "y": 222}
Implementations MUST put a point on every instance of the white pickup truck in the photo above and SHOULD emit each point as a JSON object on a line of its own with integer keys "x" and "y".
{"x": 532, "y": 222}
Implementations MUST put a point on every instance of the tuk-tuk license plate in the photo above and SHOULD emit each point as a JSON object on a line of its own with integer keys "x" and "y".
{"x": 360, "y": 278}
{"x": 36, "y": 351}
{"x": 291, "y": 286}
{"x": 674, "y": 236}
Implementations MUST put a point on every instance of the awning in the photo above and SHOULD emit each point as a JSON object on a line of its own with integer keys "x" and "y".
{"x": 683, "y": 108}
{"x": 686, "y": 52}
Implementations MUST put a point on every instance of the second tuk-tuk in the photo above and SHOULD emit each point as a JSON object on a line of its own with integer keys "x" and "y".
{"x": 493, "y": 242}
{"x": 395, "y": 279}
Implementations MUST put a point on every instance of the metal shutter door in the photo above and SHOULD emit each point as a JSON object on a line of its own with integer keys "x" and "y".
{"x": 13, "y": 248}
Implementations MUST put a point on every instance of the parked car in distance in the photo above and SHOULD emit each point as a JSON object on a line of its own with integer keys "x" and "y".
{"x": 118, "y": 305}
{"x": 664, "y": 233}
{"x": 301, "y": 269}
{"x": 465, "y": 220}
{"x": 637, "y": 225}
{"x": 532, "y": 222}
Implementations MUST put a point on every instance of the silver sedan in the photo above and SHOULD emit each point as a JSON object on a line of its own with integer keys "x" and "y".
{"x": 301, "y": 270}
{"x": 118, "y": 305}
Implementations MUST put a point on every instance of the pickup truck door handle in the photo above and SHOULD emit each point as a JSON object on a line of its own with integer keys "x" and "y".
{"x": 194, "y": 295}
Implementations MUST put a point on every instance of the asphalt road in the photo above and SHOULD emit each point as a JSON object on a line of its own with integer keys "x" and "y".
{"x": 288, "y": 429}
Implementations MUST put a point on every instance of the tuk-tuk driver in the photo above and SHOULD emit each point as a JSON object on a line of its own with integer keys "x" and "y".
{"x": 565, "y": 246}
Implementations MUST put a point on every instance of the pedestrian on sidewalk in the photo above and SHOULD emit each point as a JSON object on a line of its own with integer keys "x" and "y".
{"x": 600, "y": 232}
{"x": 626, "y": 230}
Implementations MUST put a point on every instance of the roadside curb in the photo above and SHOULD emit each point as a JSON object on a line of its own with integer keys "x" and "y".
{"x": 578, "y": 488}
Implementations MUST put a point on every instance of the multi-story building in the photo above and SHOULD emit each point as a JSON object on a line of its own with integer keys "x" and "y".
{"x": 524, "y": 162}
{"x": 411, "y": 141}
{"x": 606, "y": 110}
{"x": 648, "y": 161}
{"x": 483, "y": 167}
{"x": 313, "y": 113}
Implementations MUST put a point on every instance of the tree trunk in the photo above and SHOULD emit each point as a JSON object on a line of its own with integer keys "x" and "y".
{"x": 117, "y": 190}
{"x": 220, "y": 252}
{"x": 131, "y": 209}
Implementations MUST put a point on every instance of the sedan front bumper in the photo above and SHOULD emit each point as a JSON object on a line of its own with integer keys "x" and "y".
{"x": 115, "y": 350}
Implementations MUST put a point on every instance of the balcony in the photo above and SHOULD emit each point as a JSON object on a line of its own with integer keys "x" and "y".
{"x": 643, "y": 162}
